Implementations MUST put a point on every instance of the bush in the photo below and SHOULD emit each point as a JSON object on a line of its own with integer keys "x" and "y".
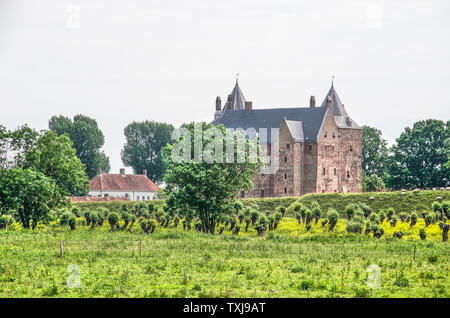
{"x": 5, "y": 221}
{"x": 308, "y": 227}
{"x": 76, "y": 211}
{"x": 398, "y": 234}
{"x": 350, "y": 211}
{"x": 404, "y": 217}
{"x": 333, "y": 218}
{"x": 429, "y": 218}
{"x": 414, "y": 218}
{"x": 354, "y": 227}
{"x": 374, "y": 218}
{"x": 394, "y": 220}
{"x": 113, "y": 220}
{"x": 64, "y": 220}
{"x": 148, "y": 226}
{"x": 445, "y": 206}
{"x": 390, "y": 213}
{"x": 72, "y": 222}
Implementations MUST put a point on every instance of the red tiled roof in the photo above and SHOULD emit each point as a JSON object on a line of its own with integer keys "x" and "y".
{"x": 96, "y": 199}
{"x": 118, "y": 182}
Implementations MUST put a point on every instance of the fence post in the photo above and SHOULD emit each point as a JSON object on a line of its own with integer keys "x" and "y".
{"x": 61, "y": 249}
{"x": 414, "y": 251}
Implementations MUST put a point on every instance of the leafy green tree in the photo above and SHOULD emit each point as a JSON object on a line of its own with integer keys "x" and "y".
{"x": 375, "y": 153}
{"x": 54, "y": 156}
{"x": 14, "y": 145}
{"x": 87, "y": 140}
{"x": 208, "y": 179}
{"x": 420, "y": 156}
{"x": 144, "y": 146}
{"x": 372, "y": 183}
{"x": 30, "y": 194}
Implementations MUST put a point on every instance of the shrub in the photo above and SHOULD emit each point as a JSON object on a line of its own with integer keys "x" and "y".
{"x": 382, "y": 216}
{"x": 113, "y": 220}
{"x": 350, "y": 211}
{"x": 423, "y": 234}
{"x": 147, "y": 226}
{"x": 281, "y": 209}
{"x": 76, "y": 211}
{"x": 308, "y": 227}
{"x": 365, "y": 208}
{"x": 414, "y": 218}
{"x": 308, "y": 216}
{"x": 401, "y": 281}
{"x": 390, "y": 213}
{"x": 436, "y": 207}
{"x": 94, "y": 219}
{"x": 333, "y": 218}
{"x": 354, "y": 226}
{"x": 316, "y": 212}
{"x": 64, "y": 220}
{"x": 445, "y": 206}
{"x": 445, "y": 229}
{"x": 5, "y": 221}
{"x": 394, "y": 220}
{"x": 404, "y": 217}
{"x": 374, "y": 218}
{"x": 72, "y": 222}
{"x": 429, "y": 219}
{"x": 87, "y": 216}
{"x": 398, "y": 234}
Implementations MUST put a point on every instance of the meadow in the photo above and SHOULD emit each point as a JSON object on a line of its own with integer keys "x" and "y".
{"x": 287, "y": 262}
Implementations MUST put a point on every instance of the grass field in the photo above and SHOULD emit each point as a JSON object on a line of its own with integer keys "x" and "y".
{"x": 287, "y": 262}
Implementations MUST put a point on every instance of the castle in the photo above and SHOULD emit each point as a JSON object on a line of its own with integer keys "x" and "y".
{"x": 319, "y": 147}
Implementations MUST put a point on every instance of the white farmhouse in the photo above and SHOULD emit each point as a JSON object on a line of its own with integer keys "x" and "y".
{"x": 133, "y": 187}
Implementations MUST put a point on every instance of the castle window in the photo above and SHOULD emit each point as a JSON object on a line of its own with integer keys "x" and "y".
{"x": 323, "y": 191}
{"x": 285, "y": 190}
{"x": 334, "y": 171}
{"x": 310, "y": 147}
{"x": 325, "y": 135}
{"x": 351, "y": 148}
{"x": 262, "y": 193}
{"x": 137, "y": 198}
{"x": 285, "y": 159}
{"x": 288, "y": 146}
{"x": 348, "y": 174}
{"x": 334, "y": 136}
{"x": 323, "y": 172}
{"x": 285, "y": 176}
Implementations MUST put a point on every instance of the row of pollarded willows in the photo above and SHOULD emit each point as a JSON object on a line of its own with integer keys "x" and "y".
{"x": 408, "y": 202}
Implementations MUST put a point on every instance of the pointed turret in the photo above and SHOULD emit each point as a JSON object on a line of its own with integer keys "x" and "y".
{"x": 236, "y": 100}
{"x": 340, "y": 114}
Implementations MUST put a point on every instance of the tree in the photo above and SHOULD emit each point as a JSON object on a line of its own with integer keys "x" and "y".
{"x": 30, "y": 193}
{"x": 54, "y": 156}
{"x": 144, "y": 146}
{"x": 372, "y": 183}
{"x": 375, "y": 154}
{"x": 420, "y": 156}
{"x": 14, "y": 145}
{"x": 203, "y": 178}
{"x": 87, "y": 140}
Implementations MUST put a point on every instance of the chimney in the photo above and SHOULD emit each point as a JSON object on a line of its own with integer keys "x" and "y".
{"x": 230, "y": 102}
{"x": 144, "y": 172}
{"x": 218, "y": 103}
{"x": 312, "y": 101}
{"x": 329, "y": 102}
{"x": 122, "y": 171}
{"x": 248, "y": 107}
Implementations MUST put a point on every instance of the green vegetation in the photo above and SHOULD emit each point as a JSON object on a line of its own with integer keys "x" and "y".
{"x": 175, "y": 263}
{"x": 409, "y": 202}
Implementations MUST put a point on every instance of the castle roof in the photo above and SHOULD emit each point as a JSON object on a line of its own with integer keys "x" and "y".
{"x": 237, "y": 99}
{"x": 122, "y": 182}
{"x": 311, "y": 120}
{"x": 341, "y": 117}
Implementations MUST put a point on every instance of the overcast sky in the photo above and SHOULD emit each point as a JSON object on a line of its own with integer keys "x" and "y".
{"x": 166, "y": 60}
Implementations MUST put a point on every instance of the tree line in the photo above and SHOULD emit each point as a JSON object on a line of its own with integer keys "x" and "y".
{"x": 419, "y": 158}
